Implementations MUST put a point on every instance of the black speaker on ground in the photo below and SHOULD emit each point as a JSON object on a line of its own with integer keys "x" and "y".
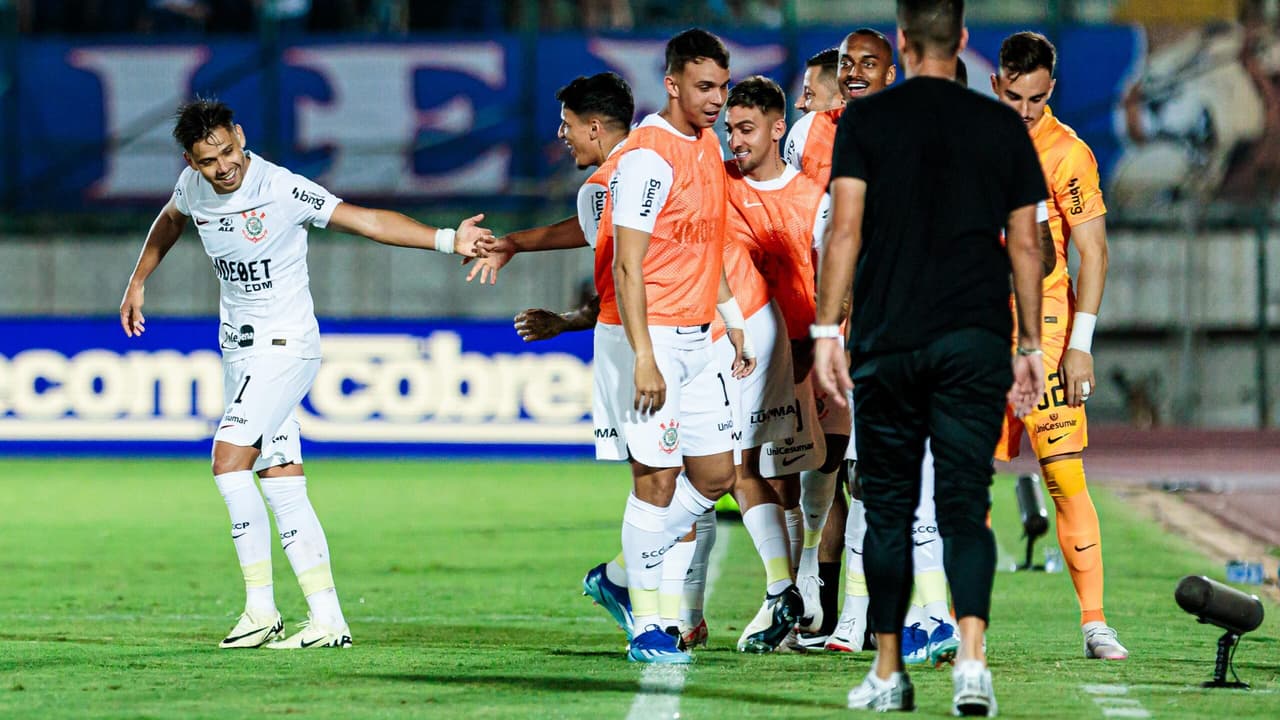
{"x": 1216, "y": 604}
{"x": 1035, "y": 518}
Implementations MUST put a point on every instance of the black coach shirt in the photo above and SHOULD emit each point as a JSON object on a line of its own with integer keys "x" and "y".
{"x": 944, "y": 167}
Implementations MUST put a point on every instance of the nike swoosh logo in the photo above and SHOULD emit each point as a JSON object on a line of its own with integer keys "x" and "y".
{"x": 233, "y": 537}
{"x": 855, "y": 552}
{"x": 926, "y": 542}
{"x": 241, "y": 637}
{"x": 201, "y": 222}
{"x": 788, "y": 462}
{"x": 286, "y": 547}
{"x": 313, "y": 642}
{"x": 751, "y": 204}
{"x": 224, "y": 427}
{"x": 650, "y": 567}
{"x": 1056, "y": 439}
{"x": 1082, "y": 549}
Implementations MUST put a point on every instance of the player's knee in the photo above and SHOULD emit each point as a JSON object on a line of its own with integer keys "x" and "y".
{"x": 229, "y": 458}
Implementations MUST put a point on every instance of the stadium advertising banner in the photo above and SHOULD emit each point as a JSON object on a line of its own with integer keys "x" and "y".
{"x": 385, "y": 387}
{"x": 412, "y": 119}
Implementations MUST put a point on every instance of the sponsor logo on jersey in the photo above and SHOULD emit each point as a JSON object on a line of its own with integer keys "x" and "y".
{"x": 1077, "y": 202}
{"x": 670, "y": 438}
{"x": 650, "y": 197}
{"x": 226, "y": 224}
{"x": 775, "y": 413}
{"x": 254, "y": 229}
{"x": 234, "y": 339}
{"x": 606, "y": 433}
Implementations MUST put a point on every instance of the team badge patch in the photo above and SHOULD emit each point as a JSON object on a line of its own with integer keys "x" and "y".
{"x": 254, "y": 230}
{"x": 670, "y": 438}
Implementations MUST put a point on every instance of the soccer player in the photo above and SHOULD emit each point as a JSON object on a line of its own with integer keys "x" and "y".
{"x": 819, "y": 90}
{"x": 659, "y": 399}
{"x": 252, "y": 217}
{"x": 917, "y": 212}
{"x": 777, "y": 213}
{"x": 1057, "y": 428}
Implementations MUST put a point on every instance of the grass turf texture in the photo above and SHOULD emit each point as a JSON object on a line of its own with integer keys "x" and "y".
{"x": 461, "y": 583}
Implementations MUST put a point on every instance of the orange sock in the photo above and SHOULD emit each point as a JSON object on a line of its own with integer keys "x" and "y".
{"x": 1079, "y": 535}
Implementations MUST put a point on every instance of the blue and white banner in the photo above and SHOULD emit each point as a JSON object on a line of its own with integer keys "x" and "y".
{"x": 385, "y": 387}
{"x": 405, "y": 120}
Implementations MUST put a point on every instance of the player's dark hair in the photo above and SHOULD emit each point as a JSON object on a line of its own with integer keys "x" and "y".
{"x": 693, "y": 44}
{"x": 604, "y": 95}
{"x": 1026, "y": 52}
{"x": 962, "y": 72}
{"x": 932, "y": 27}
{"x": 827, "y": 62}
{"x": 197, "y": 120}
{"x": 873, "y": 33}
{"x": 758, "y": 92}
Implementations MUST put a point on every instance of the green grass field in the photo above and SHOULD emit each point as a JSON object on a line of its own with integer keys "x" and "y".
{"x": 461, "y": 582}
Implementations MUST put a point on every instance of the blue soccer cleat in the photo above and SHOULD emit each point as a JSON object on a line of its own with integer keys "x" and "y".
{"x": 943, "y": 643}
{"x": 915, "y": 645}
{"x": 656, "y": 645}
{"x": 613, "y": 598}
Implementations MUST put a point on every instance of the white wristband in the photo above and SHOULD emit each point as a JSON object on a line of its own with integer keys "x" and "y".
{"x": 732, "y": 314}
{"x": 824, "y": 331}
{"x": 1082, "y": 332}
{"x": 444, "y": 240}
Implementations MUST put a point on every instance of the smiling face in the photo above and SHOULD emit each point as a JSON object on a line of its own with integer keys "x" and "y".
{"x": 698, "y": 93}
{"x": 753, "y": 137}
{"x": 220, "y": 158}
{"x": 1027, "y": 93}
{"x": 579, "y": 135}
{"x": 866, "y": 66}
{"x": 818, "y": 92}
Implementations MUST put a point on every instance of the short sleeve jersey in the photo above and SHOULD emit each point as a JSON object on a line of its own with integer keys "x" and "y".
{"x": 592, "y": 197}
{"x": 810, "y": 143}
{"x": 671, "y": 186}
{"x": 256, "y": 238}
{"x": 778, "y": 222}
{"x": 944, "y": 167}
{"x": 1075, "y": 191}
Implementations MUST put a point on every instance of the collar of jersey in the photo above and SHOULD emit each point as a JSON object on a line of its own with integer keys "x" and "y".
{"x": 777, "y": 183}
{"x": 656, "y": 120}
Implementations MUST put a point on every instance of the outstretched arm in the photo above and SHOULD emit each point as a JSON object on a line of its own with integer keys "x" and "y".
{"x": 393, "y": 228}
{"x": 538, "y": 324}
{"x": 164, "y": 232}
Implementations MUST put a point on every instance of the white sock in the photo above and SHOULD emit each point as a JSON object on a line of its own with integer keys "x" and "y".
{"x": 695, "y": 582}
{"x": 795, "y": 535}
{"x": 765, "y": 525}
{"x": 644, "y": 540}
{"x": 251, "y": 534}
{"x": 926, "y": 551}
{"x": 817, "y": 492}
{"x": 615, "y": 572}
{"x": 304, "y": 544}
{"x": 687, "y": 505}
{"x": 675, "y": 568}
{"x": 856, "y": 598}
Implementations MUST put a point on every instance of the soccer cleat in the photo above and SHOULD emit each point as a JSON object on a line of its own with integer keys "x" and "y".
{"x": 252, "y": 631}
{"x": 695, "y": 636}
{"x": 943, "y": 643}
{"x": 811, "y": 591}
{"x": 314, "y": 635}
{"x": 613, "y": 598}
{"x": 813, "y": 642}
{"x": 654, "y": 645}
{"x": 1100, "y": 642}
{"x": 974, "y": 696}
{"x": 915, "y": 645}
{"x": 849, "y": 636}
{"x": 776, "y": 619}
{"x": 896, "y": 693}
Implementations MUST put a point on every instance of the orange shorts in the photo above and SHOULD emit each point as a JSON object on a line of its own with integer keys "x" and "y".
{"x": 1053, "y": 427}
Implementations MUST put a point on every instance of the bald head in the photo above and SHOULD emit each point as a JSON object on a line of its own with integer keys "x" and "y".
{"x": 866, "y": 64}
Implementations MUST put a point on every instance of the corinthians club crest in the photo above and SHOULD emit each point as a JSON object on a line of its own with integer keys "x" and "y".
{"x": 254, "y": 229}
{"x": 670, "y": 438}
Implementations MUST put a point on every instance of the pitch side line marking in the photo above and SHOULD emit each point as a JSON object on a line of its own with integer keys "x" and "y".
{"x": 1113, "y": 703}
{"x": 661, "y": 685}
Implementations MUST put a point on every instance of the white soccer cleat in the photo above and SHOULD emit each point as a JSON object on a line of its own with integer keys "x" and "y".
{"x": 896, "y": 693}
{"x": 849, "y": 636}
{"x": 974, "y": 696}
{"x": 1101, "y": 643}
{"x": 314, "y": 635}
{"x": 811, "y": 590}
{"x": 253, "y": 631}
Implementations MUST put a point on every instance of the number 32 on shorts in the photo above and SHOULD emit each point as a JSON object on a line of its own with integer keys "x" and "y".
{"x": 1055, "y": 395}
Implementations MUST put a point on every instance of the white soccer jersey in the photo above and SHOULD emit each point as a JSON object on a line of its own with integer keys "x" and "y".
{"x": 257, "y": 240}
{"x": 591, "y": 200}
{"x": 793, "y": 147}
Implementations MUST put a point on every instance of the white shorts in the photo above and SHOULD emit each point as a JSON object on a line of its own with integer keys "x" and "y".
{"x": 768, "y": 399}
{"x": 261, "y": 393}
{"x": 695, "y": 420}
{"x": 805, "y": 448}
